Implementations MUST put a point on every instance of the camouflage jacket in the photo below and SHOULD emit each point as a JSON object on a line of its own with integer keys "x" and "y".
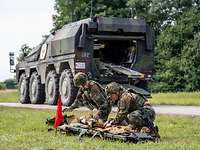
{"x": 128, "y": 103}
{"x": 93, "y": 96}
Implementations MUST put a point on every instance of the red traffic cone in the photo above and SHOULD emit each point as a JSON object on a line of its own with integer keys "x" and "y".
{"x": 59, "y": 117}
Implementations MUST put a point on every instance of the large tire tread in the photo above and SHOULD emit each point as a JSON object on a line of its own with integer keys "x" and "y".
{"x": 24, "y": 99}
{"x": 73, "y": 90}
{"x": 40, "y": 97}
{"x": 54, "y": 75}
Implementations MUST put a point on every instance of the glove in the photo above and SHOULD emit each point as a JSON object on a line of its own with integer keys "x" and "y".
{"x": 67, "y": 109}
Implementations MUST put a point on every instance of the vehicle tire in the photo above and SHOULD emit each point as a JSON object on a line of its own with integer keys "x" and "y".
{"x": 24, "y": 89}
{"x": 67, "y": 89}
{"x": 36, "y": 89}
{"x": 52, "y": 88}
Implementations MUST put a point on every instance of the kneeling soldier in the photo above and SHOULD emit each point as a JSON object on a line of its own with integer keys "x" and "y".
{"x": 132, "y": 108}
{"x": 92, "y": 95}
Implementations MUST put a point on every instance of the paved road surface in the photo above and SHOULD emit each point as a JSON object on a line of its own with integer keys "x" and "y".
{"x": 161, "y": 109}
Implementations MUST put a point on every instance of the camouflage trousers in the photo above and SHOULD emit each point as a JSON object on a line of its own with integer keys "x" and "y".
{"x": 137, "y": 118}
{"x": 103, "y": 113}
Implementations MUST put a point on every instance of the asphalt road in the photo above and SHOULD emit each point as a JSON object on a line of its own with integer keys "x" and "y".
{"x": 193, "y": 111}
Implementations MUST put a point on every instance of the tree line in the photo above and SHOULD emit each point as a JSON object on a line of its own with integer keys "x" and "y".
{"x": 8, "y": 84}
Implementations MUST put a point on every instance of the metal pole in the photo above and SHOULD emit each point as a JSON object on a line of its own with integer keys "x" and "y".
{"x": 131, "y": 9}
{"x": 91, "y": 9}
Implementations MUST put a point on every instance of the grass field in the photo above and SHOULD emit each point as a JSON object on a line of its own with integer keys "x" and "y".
{"x": 181, "y": 98}
{"x": 8, "y": 95}
{"x": 25, "y": 129}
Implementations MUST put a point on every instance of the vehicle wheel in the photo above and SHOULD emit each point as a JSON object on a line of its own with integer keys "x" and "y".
{"x": 52, "y": 89}
{"x": 67, "y": 89}
{"x": 24, "y": 89}
{"x": 36, "y": 90}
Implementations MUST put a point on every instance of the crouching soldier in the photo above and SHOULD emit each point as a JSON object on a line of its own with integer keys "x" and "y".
{"x": 133, "y": 108}
{"x": 92, "y": 95}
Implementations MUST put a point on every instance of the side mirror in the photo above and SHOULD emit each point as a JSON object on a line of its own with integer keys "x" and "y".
{"x": 12, "y": 61}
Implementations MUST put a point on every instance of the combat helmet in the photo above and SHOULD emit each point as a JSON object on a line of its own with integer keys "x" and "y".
{"x": 80, "y": 78}
{"x": 112, "y": 88}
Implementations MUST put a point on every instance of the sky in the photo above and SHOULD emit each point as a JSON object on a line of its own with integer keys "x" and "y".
{"x": 22, "y": 22}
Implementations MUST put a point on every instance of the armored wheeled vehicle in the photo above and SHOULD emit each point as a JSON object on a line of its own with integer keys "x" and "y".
{"x": 107, "y": 49}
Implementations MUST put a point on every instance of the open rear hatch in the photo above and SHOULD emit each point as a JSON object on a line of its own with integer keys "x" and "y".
{"x": 115, "y": 56}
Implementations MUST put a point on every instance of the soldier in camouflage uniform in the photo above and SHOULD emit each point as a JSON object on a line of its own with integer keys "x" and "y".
{"x": 92, "y": 95}
{"x": 132, "y": 108}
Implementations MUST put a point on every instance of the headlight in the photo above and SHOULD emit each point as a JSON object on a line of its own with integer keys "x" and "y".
{"x": 80, "y": 65}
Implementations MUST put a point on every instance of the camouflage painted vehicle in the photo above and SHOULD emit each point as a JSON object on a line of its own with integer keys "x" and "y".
{"x": 107, "y": 49}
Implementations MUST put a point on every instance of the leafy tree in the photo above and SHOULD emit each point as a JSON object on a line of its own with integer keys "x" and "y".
{"x": 70, "y": 10}
{"x": 175, "y": 54}
{"x": 66, "y": 12}
{"x": 161, "y": 13}
{"x": 2, "y": 86}
{"x": 190, "y": 64}
{"x": 10, "y": 83}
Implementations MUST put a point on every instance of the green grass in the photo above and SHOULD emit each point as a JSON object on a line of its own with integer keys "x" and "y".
{"x": 25, "y": 129}
{"x": 8, "y": 95}
{"x": 180, "y": 98}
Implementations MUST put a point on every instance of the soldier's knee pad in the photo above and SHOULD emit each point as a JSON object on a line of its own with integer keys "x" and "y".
{"x": 150, "y": 112}
{"x": 135, "y": 119}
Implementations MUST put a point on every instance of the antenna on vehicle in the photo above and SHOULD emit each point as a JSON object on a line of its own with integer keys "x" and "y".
{"x": 131, "y": 11}
{"x": 91, "y": 9}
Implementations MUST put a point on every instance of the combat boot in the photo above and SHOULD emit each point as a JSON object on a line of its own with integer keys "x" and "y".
{"x": 155, "y": 132}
